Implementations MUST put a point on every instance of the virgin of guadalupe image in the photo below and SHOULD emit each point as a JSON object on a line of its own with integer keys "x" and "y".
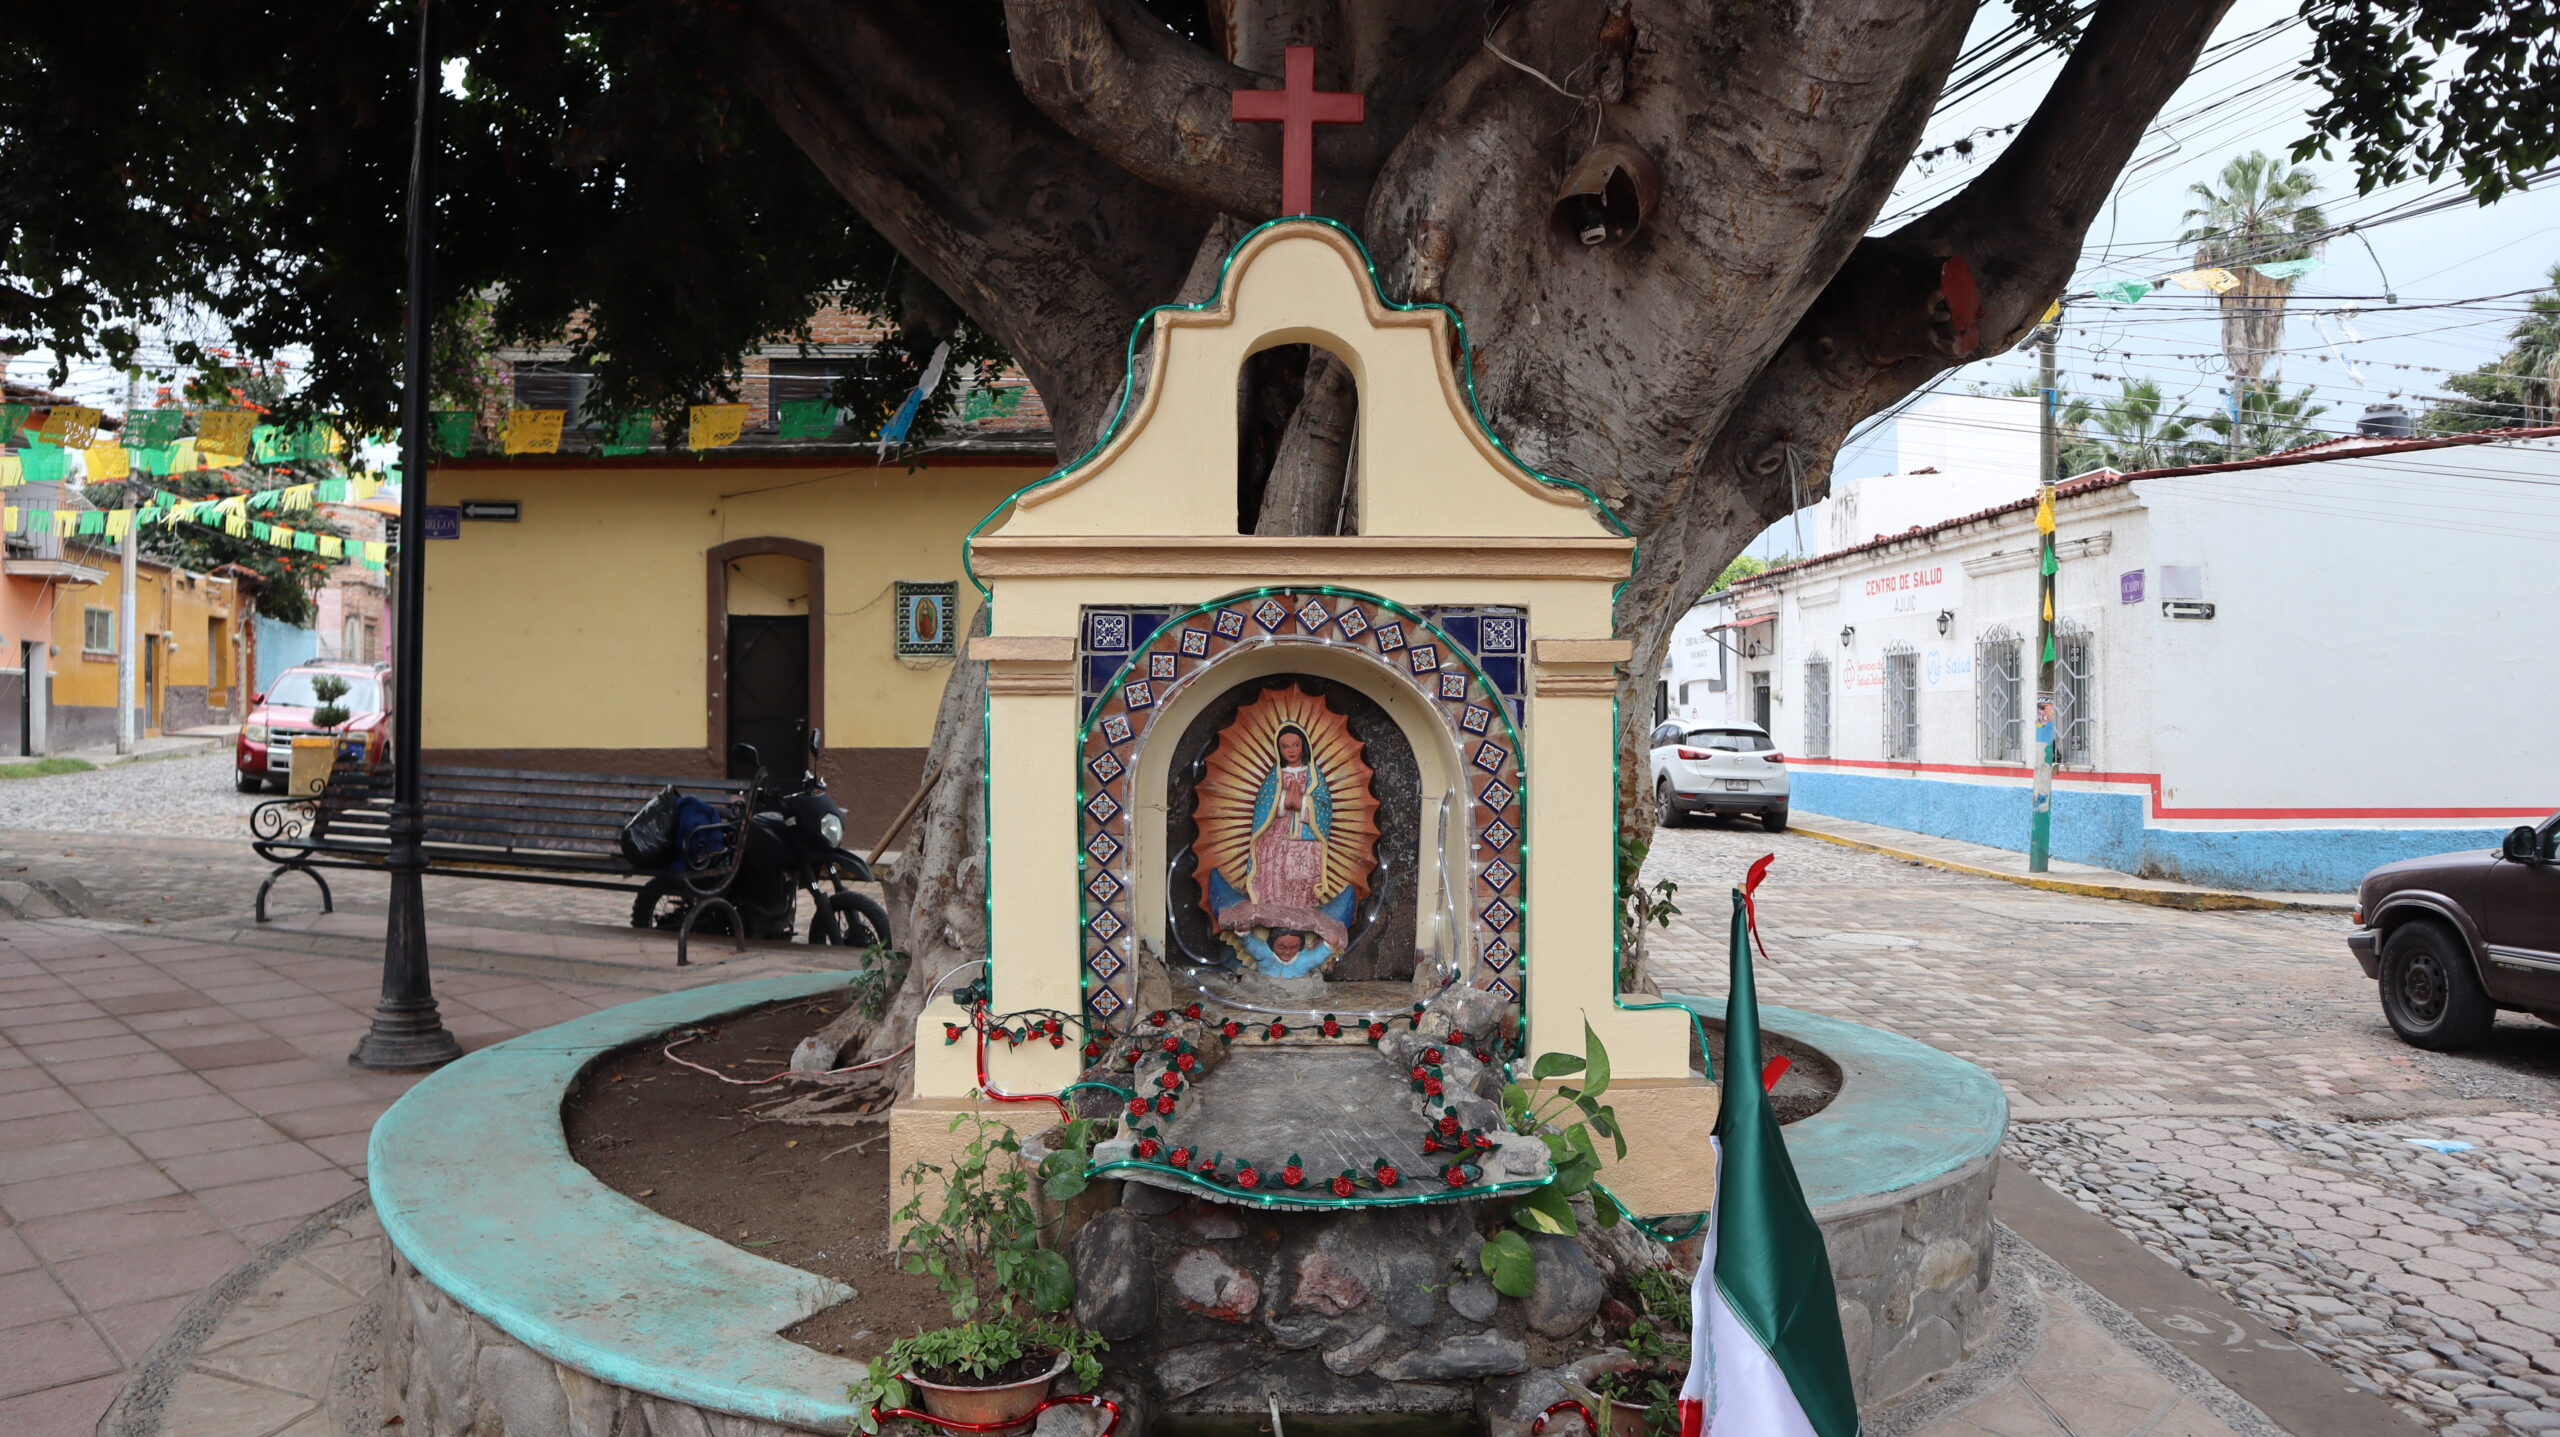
{"x": 1288, "y": 833}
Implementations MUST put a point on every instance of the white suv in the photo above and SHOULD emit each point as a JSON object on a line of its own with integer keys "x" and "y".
{"x": 1728, "y": 768}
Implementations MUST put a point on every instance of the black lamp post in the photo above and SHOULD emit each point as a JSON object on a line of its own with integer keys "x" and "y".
{"x": 407, "y": 1032}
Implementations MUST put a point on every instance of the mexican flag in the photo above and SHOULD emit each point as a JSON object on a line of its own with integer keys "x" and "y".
{"x": 1766, "y": 1357}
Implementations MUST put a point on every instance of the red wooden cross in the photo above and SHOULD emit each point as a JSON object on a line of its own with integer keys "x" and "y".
{"x": 1299, "y": 107}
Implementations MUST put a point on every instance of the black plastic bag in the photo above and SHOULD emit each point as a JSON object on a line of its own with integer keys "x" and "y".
{"x": 649, "y": 836}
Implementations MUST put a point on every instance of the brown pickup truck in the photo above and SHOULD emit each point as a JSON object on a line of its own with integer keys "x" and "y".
{"x": 2454, "y": 938}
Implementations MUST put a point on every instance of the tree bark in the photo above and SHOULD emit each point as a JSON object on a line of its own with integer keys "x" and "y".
{"x": 1698, "y": 376}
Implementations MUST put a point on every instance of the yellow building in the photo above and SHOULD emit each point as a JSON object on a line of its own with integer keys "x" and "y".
{"x": 188, "y": 627}
{"x": 639, "y": 614}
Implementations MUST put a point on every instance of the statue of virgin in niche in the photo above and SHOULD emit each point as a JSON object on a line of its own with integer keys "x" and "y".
{"x": 1288, "y": 832}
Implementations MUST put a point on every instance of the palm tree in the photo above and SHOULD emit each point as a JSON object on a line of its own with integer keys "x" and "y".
{"x": 2261, "y": 214}
{"x": 2269, "y": 421}
{"x": 2137, "y": 429}
{"x": 2521, "y": 386}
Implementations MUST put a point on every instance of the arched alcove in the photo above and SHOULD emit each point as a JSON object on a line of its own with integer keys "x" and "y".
{"x": 1298, "y": 409}
{"x": 1435, "y": 768}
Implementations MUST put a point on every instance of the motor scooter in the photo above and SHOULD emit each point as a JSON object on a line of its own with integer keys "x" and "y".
{"x": 794, "y": 847}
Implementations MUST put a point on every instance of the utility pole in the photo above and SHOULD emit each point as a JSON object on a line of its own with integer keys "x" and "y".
{"x": 128, "y": 625}
{"x": 2049, "y": 456}
{"x": 408, "y": 1033}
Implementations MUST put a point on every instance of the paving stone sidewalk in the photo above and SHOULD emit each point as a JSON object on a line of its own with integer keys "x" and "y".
{"x": 169, "y": 1105}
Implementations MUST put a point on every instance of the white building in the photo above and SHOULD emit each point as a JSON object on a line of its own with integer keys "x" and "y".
{"x": 1956, "y": 454}
{"x": 2273, "y": 674}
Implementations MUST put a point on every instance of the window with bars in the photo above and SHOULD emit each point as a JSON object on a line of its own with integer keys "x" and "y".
{"x": 798, "y": 381}
{"x": 1999, "y": 695}
{"x": 1817, "y": 708}
{"x": 1901, "y": 703}
{"x": 544, "y": 385}
{"x": 98, "y": 631}
{"x": 2074, "y": 736}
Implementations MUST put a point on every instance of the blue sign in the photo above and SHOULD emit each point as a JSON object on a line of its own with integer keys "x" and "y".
{"x": 2129, "y": 586}
{"x": 444, "y": 521}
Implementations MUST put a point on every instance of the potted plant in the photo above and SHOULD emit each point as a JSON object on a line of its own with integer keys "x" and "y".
{"x": 1644, "y": 1395}
{"x": 1007, "y": 1347}
{"x": 313, "y": 755}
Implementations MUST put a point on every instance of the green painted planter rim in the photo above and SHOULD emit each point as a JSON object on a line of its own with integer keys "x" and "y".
{"x": 1909, "y": 1119}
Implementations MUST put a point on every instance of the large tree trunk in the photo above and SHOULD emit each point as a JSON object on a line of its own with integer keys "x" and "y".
{"x": 1685, "y": 375}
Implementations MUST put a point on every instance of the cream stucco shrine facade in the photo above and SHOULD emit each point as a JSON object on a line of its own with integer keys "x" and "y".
{"x": 1468, "y": 621}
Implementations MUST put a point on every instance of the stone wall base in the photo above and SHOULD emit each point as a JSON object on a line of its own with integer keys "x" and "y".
{"x": 1914, "y": 1282}
{"x": 448, "y": 1373}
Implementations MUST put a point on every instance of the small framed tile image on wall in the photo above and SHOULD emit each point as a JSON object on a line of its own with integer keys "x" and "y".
{"x": 928, "y": 616}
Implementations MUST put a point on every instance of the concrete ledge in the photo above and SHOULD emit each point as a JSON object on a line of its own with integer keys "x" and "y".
{"x": 477, "y": 1193}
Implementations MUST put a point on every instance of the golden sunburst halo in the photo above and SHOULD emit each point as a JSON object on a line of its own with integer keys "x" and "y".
{"x": 1246, "y": 751}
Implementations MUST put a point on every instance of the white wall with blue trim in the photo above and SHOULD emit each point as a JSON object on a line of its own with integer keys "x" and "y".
{"x": 2375, "y": 682}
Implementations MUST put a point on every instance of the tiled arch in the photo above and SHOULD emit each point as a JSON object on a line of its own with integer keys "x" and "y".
{"x": 1134, "y": 660}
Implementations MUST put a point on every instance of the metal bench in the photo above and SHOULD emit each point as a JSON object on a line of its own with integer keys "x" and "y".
{"x": 509, "y": 826}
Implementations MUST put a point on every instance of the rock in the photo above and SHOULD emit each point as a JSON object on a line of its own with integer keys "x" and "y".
{"x": 1475, "y": 1300}
{"x": 1406, "y": 1286}
{"x": 814, "y": 1055}
{"x": 1324, "y": 1283}
{"x": 1354, "y": 1357}
{"x": 2532, "y": 1421}
{"x": 1115, "y": 1283}
{"x": 1186, "y": 1370}
{"x": 1209, "y": 1285}
{"x": 1148, "y": 1200}
{"x": 1471, "y": 1010}
{"x": 1213, "y": 1223}
{"x": 521, "y": 1384}
{"x": 1473, "y": 1354}
{"x": 1944, "y": 1263}
{"x": 1567, "y": 1287}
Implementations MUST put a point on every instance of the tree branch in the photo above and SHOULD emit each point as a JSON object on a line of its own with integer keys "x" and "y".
{"x": 931, "y": 141}
{"x": 1156, "y": 105}
{"x": 1880, "y": 329}
{"x": 1112, "y": 75}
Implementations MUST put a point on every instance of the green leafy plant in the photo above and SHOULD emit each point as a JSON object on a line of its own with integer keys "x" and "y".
{"x": 870, "y": 990}
{"x": 329, "y": 688}
{"x": 1653, "y": 1380}
{"x": 1639, "y": 905}
{"x": 981, "y": 1246}
{"x": 1661, "y": 1293}
{"x": 1564, "y": 1117}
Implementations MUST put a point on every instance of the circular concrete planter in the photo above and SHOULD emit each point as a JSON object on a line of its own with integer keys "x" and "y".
{"x": 527, "y": 1297}
{"x": 1898, "y": 1171}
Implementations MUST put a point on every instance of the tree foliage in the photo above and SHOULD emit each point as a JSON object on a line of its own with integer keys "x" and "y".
{"x": 2423, "y": 87}
{"x": 2141, "y": 429}
{"x": 2521, "y": 386}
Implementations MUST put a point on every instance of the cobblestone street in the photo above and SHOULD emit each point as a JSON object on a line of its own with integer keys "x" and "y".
{"x": 2221, "y": 1086}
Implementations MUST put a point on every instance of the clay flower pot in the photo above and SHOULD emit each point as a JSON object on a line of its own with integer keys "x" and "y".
{"x": 981, "y": 1406}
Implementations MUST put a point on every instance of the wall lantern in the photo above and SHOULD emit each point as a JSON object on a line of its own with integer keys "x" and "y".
{"x": 1608, "y": 197}
{"x": 1946, "y": 621}
{"x": 1847, "y": 632}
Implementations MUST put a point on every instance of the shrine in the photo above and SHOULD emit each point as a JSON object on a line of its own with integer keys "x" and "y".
{"x": 1308, "y": 786}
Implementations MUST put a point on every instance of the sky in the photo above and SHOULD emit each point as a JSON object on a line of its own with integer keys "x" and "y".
{"x": 2363, "y": 349}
